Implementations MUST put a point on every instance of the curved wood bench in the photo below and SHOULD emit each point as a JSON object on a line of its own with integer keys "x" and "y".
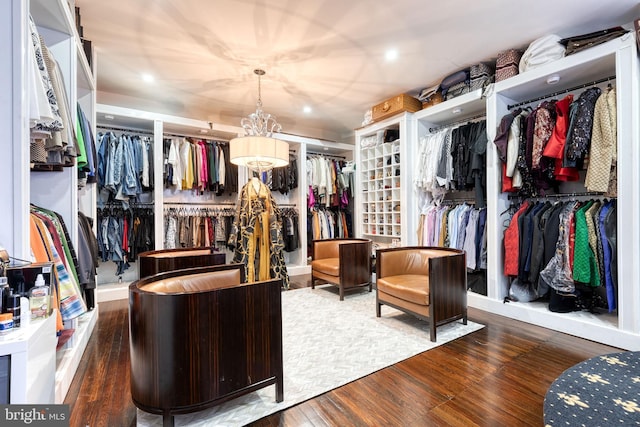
{"x": 163, "y": 260}
{"x": 428, "y": 282}
{"x": 199, "y": 337}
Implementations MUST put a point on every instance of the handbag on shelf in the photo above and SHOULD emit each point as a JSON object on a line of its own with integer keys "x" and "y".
{"x": 431, "y": 96}
{"x": 455, "y": 82}
{"x": 542, "y": 51}
{"x": 457, "y": 90}
{"x": 576, "y": 44}
{"x": 480, "y": 76}
{"x": 507, "y": 64}
{"x": 435, "y": 99}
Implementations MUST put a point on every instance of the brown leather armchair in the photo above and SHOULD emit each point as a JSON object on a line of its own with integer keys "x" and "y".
{"x": 201, "y": 336}
{"x": 427, "y": 282}
{"x": 345, "y": 263}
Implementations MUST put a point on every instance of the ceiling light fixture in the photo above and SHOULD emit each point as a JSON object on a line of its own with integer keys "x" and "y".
{"x": 553, "y": 79}
{"x": 148, "y": 78}
{"x": 391, "y": 55}
{"x": 306, "y": 109}
{"x": 258, "y": 149}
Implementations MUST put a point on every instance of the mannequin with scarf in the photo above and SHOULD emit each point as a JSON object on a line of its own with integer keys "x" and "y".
{"x": 256, "y": 235}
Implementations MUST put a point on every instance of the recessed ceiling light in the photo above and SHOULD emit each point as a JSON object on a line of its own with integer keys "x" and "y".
{"x": 148, "y": 78}
{"x": 457, "y": 110}
{"x": 391, "y": 55}
{"x": 108, "y": 117}
{"x": 553, "y": 79}
{"x": 306, "y": 109}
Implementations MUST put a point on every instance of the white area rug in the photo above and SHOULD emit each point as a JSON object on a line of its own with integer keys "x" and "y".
{"x": 326, "y": 343}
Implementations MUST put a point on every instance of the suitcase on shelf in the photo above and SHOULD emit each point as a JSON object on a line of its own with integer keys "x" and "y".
{"x": 395, "y": 105}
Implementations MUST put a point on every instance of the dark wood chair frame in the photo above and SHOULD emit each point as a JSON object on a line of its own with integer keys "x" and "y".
{"x": 447, "y": 287}
{"x": 354, "y": 263}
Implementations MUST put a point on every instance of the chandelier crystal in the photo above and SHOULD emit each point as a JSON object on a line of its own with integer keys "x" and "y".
{"x": 258, "y": 149}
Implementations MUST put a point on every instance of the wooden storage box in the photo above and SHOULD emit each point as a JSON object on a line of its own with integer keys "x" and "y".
{"x": 395, "y": 105}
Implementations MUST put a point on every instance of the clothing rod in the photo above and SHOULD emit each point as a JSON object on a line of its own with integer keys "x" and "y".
{"x": 560, "y": 92}
{"x": 118, "y": 203}
{"x": 448, "y": 125}
{"x": 202, "y": 136}
{"x": 126, "y": 130}
{"x": 287, "y": 205}
{"x": 200, "y": 204}
{"x": 465, "y": 200}
{"x": 558, "y": 196}
{"x": 326, "y": 155}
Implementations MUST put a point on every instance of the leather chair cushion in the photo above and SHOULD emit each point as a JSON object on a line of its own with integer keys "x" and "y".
{"x": 194, "y": 282}
{"x": 330, "y": 266}
{"x": 408, "y": 287}
{"x": 330, "y": 248}
{"x": 412, "y": 262}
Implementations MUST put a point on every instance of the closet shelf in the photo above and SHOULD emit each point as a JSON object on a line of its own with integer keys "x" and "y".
{"x": 457, "y": 109}
{"x": 580, "y": 68}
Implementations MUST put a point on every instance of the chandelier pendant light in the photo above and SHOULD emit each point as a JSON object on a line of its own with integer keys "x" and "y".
{"x": 258, "y": 150}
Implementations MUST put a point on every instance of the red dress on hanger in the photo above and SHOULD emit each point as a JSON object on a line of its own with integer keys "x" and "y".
{"x": 555, "y": 146}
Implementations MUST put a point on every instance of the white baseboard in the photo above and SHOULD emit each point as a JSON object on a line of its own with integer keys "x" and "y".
{"x": 112, "y": 292}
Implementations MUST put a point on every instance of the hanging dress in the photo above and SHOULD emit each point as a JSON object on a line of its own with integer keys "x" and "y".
{"x": 256, "y": 235}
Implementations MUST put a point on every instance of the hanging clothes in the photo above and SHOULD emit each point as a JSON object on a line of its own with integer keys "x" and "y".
{"x": 284, "y": 179}
{"x": 123, "y": 234}
{"x": 560, "y": 138}
{"x": 193, "y": 226}
{"x": 602, "y": 170}
{"x": 564, "y": 247}
{"x": 87, "y": 173}
{"x": 452, "y": 158}
{"x": 512, "y": 242}
{"x": 290, "y": 227}
{"x": 49, "y": 243}
{"x": 461, "y": 226}
{"x": 580, "y": 127}
{"x": 199, "y": 166}
{"x": 53, "y": 142}
{"x": 329, "y": 223}
{"x": 328, "y": 185}
{"x": 88, "y": 260}
{"x": 124, "y": 168}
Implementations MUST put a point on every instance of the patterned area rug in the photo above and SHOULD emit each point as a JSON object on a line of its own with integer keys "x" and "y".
{"x": 601, "y": 391}
{"x": 327, "y": 343}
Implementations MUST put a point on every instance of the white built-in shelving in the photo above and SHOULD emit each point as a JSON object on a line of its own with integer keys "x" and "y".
{"x": 57, "y": 191}
{"x": 384, "y": 195}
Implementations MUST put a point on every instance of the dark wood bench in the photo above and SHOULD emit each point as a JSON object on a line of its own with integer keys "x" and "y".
{"x": 163, "y": 260}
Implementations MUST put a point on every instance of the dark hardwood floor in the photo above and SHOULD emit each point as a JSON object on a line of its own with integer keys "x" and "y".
{"x": 497, "y": 376}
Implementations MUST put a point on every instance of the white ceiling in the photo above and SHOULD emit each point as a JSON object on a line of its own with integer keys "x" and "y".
{"x": 326, "y": 54}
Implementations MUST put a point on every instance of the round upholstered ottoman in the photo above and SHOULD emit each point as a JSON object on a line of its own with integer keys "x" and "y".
{"x": 601, "y": 391}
